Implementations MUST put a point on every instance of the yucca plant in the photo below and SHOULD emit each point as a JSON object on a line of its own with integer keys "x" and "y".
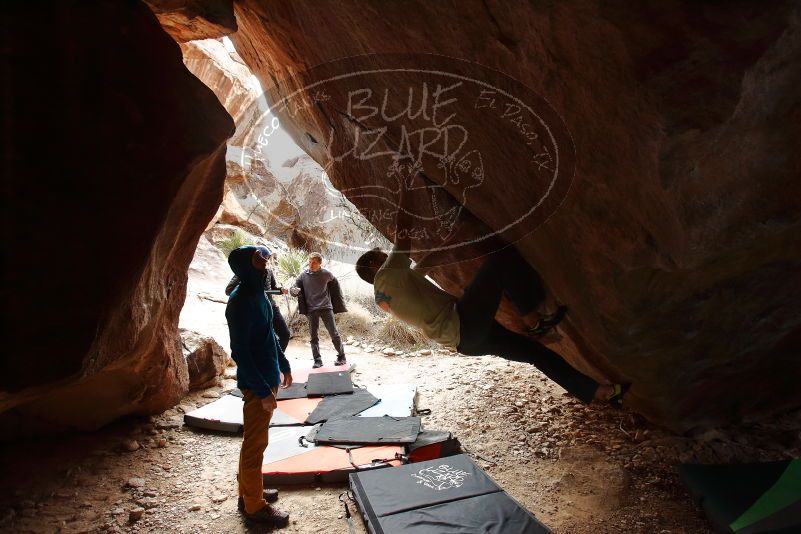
{"x": 236, "y": 240}
{"x": 290, "y": 264}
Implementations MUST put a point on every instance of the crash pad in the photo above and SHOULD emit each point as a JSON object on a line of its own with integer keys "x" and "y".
{"x": 445, "y": 496}
{"x": 341, "y": 405}
{"x": 322, "y": 384}
{"x": 754, "y": 498}
{"x": 366, "y": 430}
{"x": 286, "y": 461}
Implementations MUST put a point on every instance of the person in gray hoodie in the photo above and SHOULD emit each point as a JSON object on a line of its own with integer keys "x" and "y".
{"x": 319, "y": 297}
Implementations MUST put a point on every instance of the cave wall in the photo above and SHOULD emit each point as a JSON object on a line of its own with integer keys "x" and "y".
{"x": 114, "y": 157}
{"x": 677, "y": 245}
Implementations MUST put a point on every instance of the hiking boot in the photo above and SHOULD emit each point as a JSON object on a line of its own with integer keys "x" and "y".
{"x": 269, "y": 516}
{"x": 270, "y": 495}
{"x": 317, "y": 363}
{"x": 341, "y": 360}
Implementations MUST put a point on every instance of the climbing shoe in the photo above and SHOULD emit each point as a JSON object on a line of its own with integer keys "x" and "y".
{"x": 341, "y": 361}
{"x": 547, "y": 322}
{"x": 317, "y": 363}
{"x": 270, "y": 495}
{"x": 616, "y": 398}
{"x": 269, "y": 516}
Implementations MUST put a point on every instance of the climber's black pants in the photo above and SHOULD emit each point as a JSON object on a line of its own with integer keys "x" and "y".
{"x": 281, "y": 328}
{"x": 480, "y": 334}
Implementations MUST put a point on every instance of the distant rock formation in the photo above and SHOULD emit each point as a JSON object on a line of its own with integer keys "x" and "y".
{"x": 289, "y": 200}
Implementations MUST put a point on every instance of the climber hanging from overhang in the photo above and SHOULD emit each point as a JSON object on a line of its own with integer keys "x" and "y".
{"x": 468, "y": 323}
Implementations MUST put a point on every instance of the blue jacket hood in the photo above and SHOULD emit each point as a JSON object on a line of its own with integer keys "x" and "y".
{"x": 241, "y": 262}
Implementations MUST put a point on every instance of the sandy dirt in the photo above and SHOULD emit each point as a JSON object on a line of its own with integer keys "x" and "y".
{"x": 581, "y": 470}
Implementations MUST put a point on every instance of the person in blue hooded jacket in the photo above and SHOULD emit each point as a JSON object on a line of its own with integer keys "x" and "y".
{"x": 260, "y": 364}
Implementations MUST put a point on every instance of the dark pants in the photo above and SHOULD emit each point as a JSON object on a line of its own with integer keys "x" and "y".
{"x": 480, "y": 334}
{"x": 314, "y": 325}
{"x": 281, "y": 328}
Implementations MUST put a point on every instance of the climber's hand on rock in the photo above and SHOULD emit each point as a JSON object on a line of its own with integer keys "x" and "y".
{"x": 284, "y": 290}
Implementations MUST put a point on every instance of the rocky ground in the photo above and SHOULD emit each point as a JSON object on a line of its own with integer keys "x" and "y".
{"x": 578, "y": 469}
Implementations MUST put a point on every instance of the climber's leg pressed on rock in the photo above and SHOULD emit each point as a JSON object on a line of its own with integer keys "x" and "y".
{"x": 512, "y": 346}
{"x": 505, "y": 271}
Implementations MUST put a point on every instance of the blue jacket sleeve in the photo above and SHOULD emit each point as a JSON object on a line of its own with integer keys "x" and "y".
{"x": 240, "y": 327}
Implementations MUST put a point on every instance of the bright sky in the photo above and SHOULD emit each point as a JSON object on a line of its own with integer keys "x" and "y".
{"x": 281, "y": 146}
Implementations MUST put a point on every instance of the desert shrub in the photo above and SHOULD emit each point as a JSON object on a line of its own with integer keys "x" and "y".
{"x": 236, "y": 240}
{"x": 289, "y": 265}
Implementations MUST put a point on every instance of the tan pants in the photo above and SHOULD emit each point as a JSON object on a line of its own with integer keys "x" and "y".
{"x": 254, "y": 442}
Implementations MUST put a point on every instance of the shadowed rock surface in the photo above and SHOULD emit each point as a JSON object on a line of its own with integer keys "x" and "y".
{"x": 677, "y": 245}
{"x": 115, "y": 168}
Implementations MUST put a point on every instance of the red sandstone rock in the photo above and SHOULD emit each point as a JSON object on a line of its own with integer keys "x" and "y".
{"x": 676, "y": 246}
{"x": 189, "y": 20}
{"x": 205, "y": 359}
{"x": 116, "y": 165}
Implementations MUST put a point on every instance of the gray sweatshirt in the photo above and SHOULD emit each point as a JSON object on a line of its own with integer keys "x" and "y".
{"x": 315, "y": 287}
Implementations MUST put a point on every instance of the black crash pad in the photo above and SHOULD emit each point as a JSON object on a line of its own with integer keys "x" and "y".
{"x": 322, "y": 384}
{"x": 295, "y": 391}
{"x": 444, "y": 496}
{"x": 341, "y": 405}
{"x": 366, "y": 430}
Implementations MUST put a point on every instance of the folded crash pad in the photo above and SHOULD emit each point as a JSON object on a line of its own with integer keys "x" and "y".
{"x": 224, "y": 415}
{"x": 301, "y": 374}
{"x": 366, "y": 430}
{"x": 296, "y": 391}
{"x": 444, "y": 496}
{"x": 322, "y": 384}
{"x": 287, "y": 461}
{"x": 757, "y": 498}
{"x": 341, "y": 405}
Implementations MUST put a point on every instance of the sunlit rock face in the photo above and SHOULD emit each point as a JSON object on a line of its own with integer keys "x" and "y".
{"x": 674, "y": 235}
{"x": 190, "y": 20}
{"x": 278, "y": 193}
{"x": 116, "y": 165}
{"x": 224, "y": 72}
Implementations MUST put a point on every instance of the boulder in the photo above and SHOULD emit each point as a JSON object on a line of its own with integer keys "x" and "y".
{"x": 644, "y": 160}
{"x": 205, "y": 359}
{"x": 120, "y": 163}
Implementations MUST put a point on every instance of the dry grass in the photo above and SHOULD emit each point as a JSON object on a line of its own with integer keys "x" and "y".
{"x": 396, "y": 333}
{"x": 382, "y": 329}
{"x": 356, "y": 322}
